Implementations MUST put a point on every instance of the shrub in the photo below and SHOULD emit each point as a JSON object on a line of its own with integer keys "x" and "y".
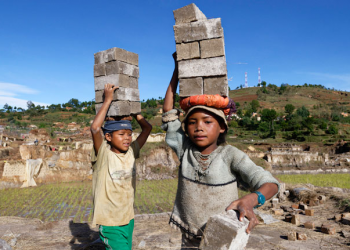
{"x": 332, "y": 130}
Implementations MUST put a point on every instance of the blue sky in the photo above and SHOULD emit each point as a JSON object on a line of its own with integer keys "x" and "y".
{"x": 47, "y": 47}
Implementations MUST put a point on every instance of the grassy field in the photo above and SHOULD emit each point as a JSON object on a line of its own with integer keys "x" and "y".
{"x": 320, "y": 180}
{"x": 74, "y": 200}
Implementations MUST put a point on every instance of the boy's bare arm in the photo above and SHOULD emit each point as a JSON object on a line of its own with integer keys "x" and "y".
{"x": 95, "y": 128}
{"x": 146, "y": 130}
{"x": 246, "y": 204}
{"x": 170, "y": 93}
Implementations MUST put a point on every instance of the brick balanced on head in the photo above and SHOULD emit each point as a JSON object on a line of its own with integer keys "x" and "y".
{"x": 200, "y": 53}
{"x": 119, "y": 67}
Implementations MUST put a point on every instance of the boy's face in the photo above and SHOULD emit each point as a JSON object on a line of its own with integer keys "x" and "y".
{"x": 204, "y": 129}
{"x": 120, "y": 140}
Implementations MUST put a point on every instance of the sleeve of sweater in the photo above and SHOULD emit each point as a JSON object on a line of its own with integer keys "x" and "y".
{"x": 248, "y": 172}
{"x": 175, "y": 137}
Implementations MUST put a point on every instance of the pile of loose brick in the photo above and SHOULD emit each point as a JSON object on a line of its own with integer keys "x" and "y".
{"x": 120, "y": 68}
{"x": 293, "y": 213}
{"x": 200, "y": 53}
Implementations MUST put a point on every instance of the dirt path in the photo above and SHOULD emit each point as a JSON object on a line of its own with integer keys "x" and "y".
{"x": 153, "y": 233}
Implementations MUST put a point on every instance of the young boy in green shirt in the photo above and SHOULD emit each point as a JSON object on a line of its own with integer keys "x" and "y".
{"x": 114, "y": 174}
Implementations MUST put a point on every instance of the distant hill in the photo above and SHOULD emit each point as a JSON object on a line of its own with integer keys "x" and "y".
{"x": 315, "y": 99}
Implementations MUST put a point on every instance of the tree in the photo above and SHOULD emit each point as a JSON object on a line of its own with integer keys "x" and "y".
{"x": 30, "y": 105}
{"x": 303, "y": 112}
{"x": 255, "y": 105}
{"x": 269, "y": 115}
{"x": 263, "y": 83}
{"x": 6, "y": 106}
{"x": 289, "y": 109}
{"x": 74, "y": 103}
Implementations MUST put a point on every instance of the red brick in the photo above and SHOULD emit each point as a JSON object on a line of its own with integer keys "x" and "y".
{"x": 309, "y": 225}
{"x": 295, "y": 206}
{"x": 328, "y": 229}
{"x": 301, "y": 236}
{"x": 309, "y": 212}
{"x": 278, "y": 211}
{"x": 296, "y": 219}
{"x": 292, "y": 236}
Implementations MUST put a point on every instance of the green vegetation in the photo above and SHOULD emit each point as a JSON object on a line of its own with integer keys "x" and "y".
{"x": 320, "y": 180}
{"x": 74, "y": 200}
{"x": 308, "y": 113}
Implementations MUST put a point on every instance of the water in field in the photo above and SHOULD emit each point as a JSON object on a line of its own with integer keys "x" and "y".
{"x": 74, "y": 200}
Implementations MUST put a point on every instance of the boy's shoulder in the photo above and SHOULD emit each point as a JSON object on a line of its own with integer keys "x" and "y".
{"x": 231, "y": 153}
{"x": 230, "y": 148}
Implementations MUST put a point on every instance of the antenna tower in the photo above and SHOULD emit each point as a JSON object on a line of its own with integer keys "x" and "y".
{"x": 246, "y": 80}
{"x": 259, "y": 77}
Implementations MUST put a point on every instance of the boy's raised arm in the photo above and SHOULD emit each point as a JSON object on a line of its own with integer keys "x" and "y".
{"x": 95, "y": 128}
{"x": 146, "y": 129}
{"x": 171, "y": 91}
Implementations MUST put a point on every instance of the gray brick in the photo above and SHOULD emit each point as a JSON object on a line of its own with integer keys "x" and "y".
{"x": 115, "y": 79}
{"x": 191, "y": 86}
{"x": 225, "y": 231}
{"x": 188, "y": 14}
{"x": 100, "y": 69}
{"x": 215, "y": 66}
{"x": 135, "y": 107}
{"x": 99, "y": 96}
{"x": 121, "y": 94}
{"x": 132, "y": 58}
{"x": 216, "y": 85}
{"x": 100, "y": 57}
{"x": 117, "y": 108}
{"x": 187, "y": 51}
{"x": 116, "y": 54}
{"x": 133, "y": 82}
{"x": 212, "y": 48}
{"x": 197, "y": 31}
{"x": 117, "y": 67}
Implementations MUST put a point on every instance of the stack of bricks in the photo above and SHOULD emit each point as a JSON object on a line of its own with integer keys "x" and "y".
{"x": 200, "y": 53}
{"x": 120, "y": 68}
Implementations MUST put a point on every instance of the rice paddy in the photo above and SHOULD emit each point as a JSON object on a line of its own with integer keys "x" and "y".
{"x": 59, "y": 201}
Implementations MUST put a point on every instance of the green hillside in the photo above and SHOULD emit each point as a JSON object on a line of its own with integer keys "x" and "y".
{"x": 316, "y": 99}
{"x": 287, "y": 113}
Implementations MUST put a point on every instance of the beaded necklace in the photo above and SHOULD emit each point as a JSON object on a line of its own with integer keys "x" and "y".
{"x": 202, "y": 169}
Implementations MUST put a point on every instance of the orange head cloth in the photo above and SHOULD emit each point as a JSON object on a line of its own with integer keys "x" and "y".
{"x": 216, "y": 101}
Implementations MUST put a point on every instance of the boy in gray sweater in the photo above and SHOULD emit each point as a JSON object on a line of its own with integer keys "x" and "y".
{"x": 209, "y": 170}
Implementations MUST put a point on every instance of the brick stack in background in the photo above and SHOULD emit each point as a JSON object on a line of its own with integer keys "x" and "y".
{"x": 120, "y": 68}
{"x": 200, "y": 53}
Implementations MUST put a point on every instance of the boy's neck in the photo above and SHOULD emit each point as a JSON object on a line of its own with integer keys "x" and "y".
{"x": 115, "y": 150}
{"x": 207, "y": 150}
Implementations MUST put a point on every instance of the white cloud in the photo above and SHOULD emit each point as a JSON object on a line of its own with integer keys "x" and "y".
{"x": 12, "y": 89}
{"x": 10, "y": 93}
{"x": 16, "y": 102}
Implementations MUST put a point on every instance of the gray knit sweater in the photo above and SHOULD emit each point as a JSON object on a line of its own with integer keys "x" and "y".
{"x": 203, "y": 193}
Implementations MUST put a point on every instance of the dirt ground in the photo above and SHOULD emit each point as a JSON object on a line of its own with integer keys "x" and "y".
{"x": 153, "y": 232}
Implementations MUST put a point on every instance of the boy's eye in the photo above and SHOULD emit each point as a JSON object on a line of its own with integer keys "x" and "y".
{"x": 207, "y": 122}
{"x": 191, "y": 123}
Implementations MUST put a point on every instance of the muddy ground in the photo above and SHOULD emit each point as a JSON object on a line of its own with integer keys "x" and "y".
{"x": 153, "y": 232}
